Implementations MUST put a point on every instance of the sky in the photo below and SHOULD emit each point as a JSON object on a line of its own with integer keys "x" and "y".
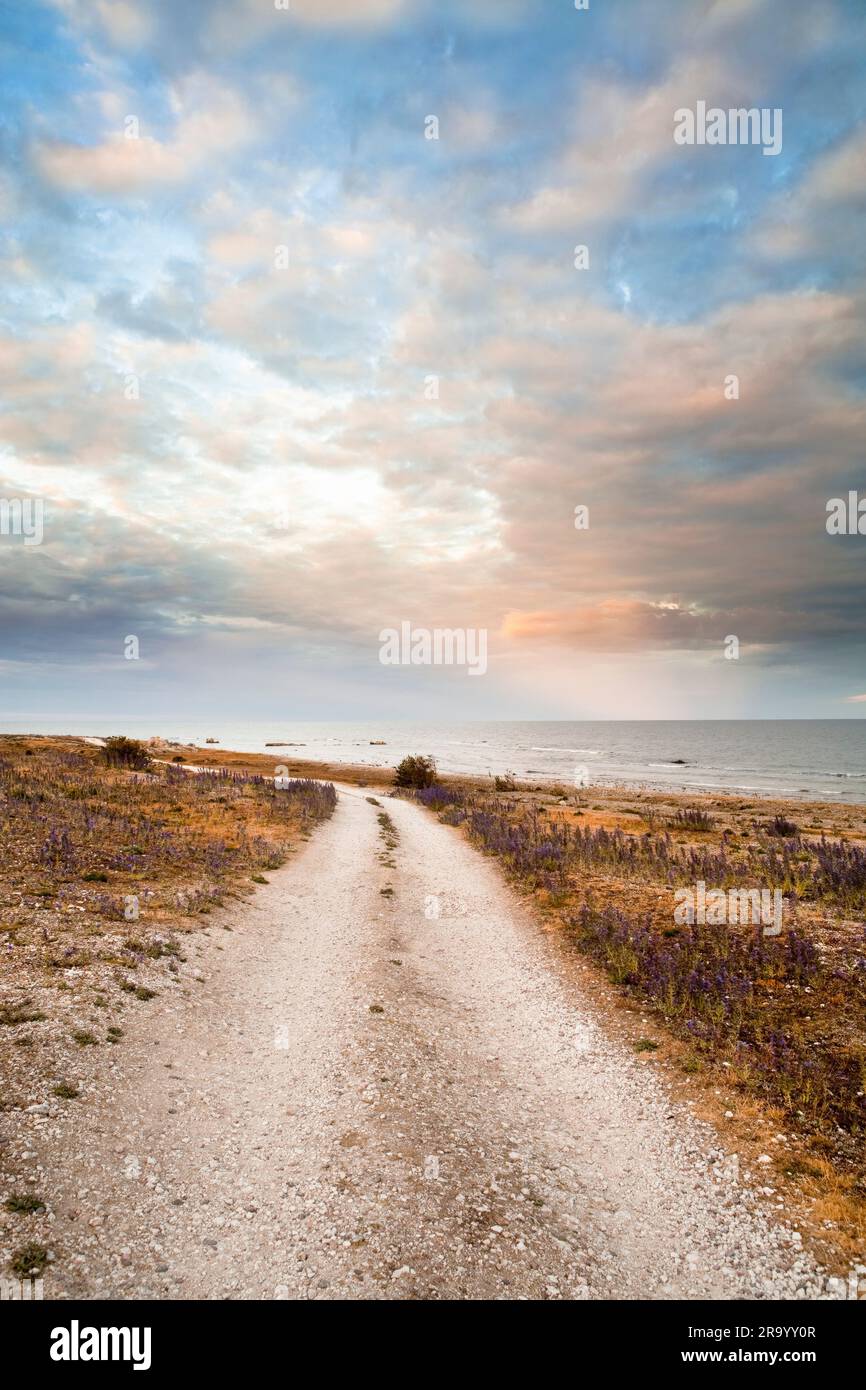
{"x": 284, "y": 371}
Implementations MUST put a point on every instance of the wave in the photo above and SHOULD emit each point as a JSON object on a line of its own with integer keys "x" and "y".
{"x": 592, "y": 752}
{"x": 762, "y": 788}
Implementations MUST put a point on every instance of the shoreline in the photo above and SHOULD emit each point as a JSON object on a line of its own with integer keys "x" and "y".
{"x": 669, "y": 763}
{"x": 264, "y": 763}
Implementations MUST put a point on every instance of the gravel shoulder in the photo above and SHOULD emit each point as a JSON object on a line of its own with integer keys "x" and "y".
{"x": 388, "y": 1095}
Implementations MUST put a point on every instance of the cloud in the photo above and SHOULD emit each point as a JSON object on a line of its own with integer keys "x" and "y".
{"x": 627, "y": 624}
{"x": 126, "y": 23}
{"x": 233, "y": 24}
{"x": 613, "y": 624}
{"x": 826, "y": 207}
{"x": 401, "y": 420}
{"x": 472, "y": 127}
{"x": 621, "y": 133}
{"x": 347, "y": 13}
{"x": 210, "y": 120}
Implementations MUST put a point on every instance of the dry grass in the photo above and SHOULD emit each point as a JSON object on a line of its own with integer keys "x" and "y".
{"x": 105, "y": 875}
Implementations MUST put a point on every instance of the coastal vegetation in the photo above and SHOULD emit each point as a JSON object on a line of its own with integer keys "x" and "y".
{"x": 780, "y": 1018}
{"x": 112, "y": 860}
{"x": 418, "y": 772}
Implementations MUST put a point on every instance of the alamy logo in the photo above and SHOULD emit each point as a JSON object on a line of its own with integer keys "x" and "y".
{"x": 22, "y": 517}
{"x": 846, "y": 518}
{"x": 76, "y": 1343}
{"x": 439, "y": 646}
{"x": 738, "y": 126}
{"x": 762, "y": 907}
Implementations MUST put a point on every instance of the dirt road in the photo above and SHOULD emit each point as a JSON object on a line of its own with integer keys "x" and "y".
{"x": 394, "y": 1094}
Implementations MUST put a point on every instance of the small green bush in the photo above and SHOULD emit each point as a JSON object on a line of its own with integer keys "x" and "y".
{"x": 126, "y": 752}
{"x": 415, "y": 771}
{"x": 65, "y": 1091}
{"x": 24, "y": 1202}
{"x": 29, "y": 1259}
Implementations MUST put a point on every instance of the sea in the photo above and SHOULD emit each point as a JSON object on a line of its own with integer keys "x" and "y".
{"x": 817, "y": 759}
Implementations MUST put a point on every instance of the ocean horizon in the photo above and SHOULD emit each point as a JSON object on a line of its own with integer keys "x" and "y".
{"x": 804, "y": 759}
